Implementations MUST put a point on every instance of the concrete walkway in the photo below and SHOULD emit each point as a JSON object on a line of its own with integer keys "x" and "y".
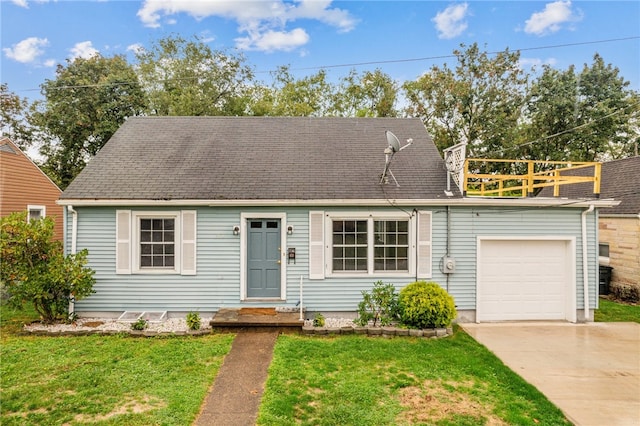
{"x": 235, "y": 396}
{"x": 590, "y": 371}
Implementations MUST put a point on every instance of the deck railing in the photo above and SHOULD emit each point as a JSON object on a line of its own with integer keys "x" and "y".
{"x": 539, "y": 174}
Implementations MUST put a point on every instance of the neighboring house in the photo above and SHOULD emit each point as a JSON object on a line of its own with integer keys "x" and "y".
{"x": 23, "y": 186}
{"x": 201, "y": 213}
{"x": 619, "y": 227}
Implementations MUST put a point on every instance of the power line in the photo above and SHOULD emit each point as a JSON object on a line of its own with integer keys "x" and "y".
{"x": 357, "y": 64}
{"x": 430, "y": 58}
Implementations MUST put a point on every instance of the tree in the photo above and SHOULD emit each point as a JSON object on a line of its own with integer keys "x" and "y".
{"x": 584, "y": 116}
{"x": 14, "y": 115}
{"x": 83, "y": 107}
{"x": 34, "y": 269}
{"x": 372, "y": 94}
{"x": 306, "y": 97}
{"x": 480, "y": 102}
{"x": 188, "y": 78}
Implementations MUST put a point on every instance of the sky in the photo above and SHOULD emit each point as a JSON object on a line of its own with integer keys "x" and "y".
{"x": 401, "y": 38}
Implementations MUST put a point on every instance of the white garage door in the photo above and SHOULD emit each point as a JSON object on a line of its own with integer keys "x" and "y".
{"x": 525, "y": 280}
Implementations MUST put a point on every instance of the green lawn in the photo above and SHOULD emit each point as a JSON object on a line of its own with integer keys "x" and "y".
{"x": 106, "y": 380}
{"x": 344, "y": 380}
{"x": 611, "y": 311}
{"x": 358, "y": 380}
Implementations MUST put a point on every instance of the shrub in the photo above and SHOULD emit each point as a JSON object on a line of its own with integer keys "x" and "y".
{"x": 318, "y": 320}
{"x": 379, "y": 305}
{"x": 140, "y": 325}
{"x": 34, "y": 268}
{"x": 625, "y": 292}
{"x": 193, "y": 321}
{"x": 426, "y": 305}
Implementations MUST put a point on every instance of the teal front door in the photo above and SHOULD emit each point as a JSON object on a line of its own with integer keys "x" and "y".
{"x": 263, "y": 258}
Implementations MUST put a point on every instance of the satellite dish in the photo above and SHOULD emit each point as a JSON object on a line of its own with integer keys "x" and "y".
{"x": 389, "y": 152}
{"x": 393, "y": 141}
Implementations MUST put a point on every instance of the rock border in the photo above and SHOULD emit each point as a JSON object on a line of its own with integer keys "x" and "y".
{"x": 132, "y": 333}
{"x": 385, "y": 332}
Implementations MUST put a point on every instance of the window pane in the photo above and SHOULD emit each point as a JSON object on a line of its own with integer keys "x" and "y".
{"x": 256, "y": 225}
{"x": 391, "y": 245}
{"x": 272, "y": 225}
{"x": 349, "y": 245}
{"x": 157, "y": 248}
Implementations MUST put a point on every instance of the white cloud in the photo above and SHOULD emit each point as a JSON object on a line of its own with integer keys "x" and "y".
{"x": 263, "y": 22}
{"x": 451, "y": 22}
{"x": 84, "y": 50}
{"x": 27, "y": 50}
{"x": 550, "y": 20}
{"x": 270, "y": 40}
{"x": 135, "y": 48}
{"x": 21, "y": 3}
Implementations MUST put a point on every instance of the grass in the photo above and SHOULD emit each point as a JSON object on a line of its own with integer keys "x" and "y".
{"x": 106, "y": 380}
{"x": 612, "y": 311}
{"x": 355, "y": 380}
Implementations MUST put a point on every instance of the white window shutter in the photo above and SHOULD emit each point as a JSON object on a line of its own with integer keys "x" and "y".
{"x": 424, "y": 245}
{"x": 316, "y": 245}
{"x": 123, "y": 241}
{"x": 188, "y": 258}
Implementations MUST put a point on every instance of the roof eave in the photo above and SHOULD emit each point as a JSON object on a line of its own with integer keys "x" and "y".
{"x": 452, "y": 201}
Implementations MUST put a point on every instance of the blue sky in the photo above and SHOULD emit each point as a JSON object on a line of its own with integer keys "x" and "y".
{"x": 310, "y": 34}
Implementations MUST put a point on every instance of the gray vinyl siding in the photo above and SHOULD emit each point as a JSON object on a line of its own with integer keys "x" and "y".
{"x": 217, "y": 282}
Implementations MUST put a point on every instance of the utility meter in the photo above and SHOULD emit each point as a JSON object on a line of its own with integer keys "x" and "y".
{"x": 448, "y": 265}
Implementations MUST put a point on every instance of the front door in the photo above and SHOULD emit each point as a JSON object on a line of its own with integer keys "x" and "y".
{"x": 263, "y": 258}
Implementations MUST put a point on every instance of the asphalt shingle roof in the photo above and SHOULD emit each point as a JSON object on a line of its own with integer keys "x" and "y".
{"x": 260, "y": 158}
{"x": 620, "y": 180}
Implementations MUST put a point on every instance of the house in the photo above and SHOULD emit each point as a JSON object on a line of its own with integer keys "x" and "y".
{"x": 203, "y": 213}
{"x": 23, "y": 186}
{"x": 619, "y": 226}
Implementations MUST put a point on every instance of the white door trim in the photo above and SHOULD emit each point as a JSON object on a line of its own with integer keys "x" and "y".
{"x": 244, "y": 218}
{"x": 570, "y": 295}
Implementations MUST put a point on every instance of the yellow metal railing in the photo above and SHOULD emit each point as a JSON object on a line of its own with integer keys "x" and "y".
{"x": 552, "y": 173}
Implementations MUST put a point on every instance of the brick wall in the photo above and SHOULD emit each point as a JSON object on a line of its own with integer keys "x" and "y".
{"x": 623, "y": 237}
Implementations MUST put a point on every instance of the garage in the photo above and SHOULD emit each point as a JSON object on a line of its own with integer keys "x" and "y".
{"x": 525, "y": 279}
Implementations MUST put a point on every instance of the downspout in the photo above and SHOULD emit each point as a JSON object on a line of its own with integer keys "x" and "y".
{"x": 448, "y": 240}
{"x": 74, "y": 233}
{"x": 585, "y": 258}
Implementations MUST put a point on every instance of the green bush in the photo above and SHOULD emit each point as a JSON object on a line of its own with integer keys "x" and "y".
{"x": 140, "y": 325}
{"x": 426, "y": 305}
{"x": 318, "y": 320}
{"x": 193, "y": 321}
{"x": 379, "y": 306}
{"x": 34, "y": 268}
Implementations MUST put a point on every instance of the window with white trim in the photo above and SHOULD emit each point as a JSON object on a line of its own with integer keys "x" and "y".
{"x": 345, "y": 244}
{"x": 156, "y": 242}
{"x": 35, "y": 212}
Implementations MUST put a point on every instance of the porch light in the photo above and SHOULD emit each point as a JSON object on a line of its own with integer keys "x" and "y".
{"x": 236, "y": 230}
{"x": 289, "y": 229}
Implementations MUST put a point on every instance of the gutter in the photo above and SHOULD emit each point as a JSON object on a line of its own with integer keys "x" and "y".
{"x": 74, "y": 239}
{"x": 341, "y": 202}
{"x": 585, "y": 257}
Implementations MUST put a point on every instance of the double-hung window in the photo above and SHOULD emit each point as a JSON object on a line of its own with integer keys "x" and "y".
{"x": 369, "y": 244}
{"x": 162, "y": 242}
{"x": 157, "y": 242}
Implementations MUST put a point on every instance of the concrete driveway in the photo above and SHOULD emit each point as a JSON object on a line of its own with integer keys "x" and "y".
{"x": 590, "y": 371}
